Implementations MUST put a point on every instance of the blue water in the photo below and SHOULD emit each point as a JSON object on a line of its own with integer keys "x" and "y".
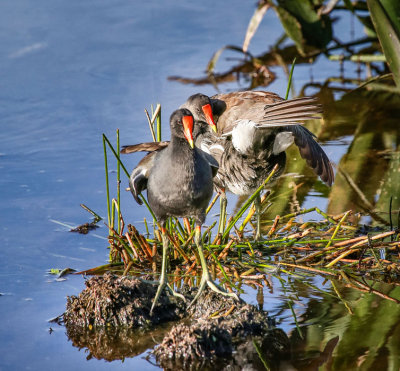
{"x": 70, "y": 71}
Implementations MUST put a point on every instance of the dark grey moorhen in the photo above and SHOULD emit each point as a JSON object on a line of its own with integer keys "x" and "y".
{"x": 254, "y": 130}
{"x": 179, "y": 183}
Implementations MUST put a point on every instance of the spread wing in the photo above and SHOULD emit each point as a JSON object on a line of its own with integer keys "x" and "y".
{"x": 265, "y": 109}
{"x": 312, "y": 152}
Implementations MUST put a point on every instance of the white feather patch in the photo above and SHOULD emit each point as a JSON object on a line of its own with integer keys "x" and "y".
{"x": 217, "y": 147}
{"x": 204, "y": 147}
{"x": 243, "y": 135}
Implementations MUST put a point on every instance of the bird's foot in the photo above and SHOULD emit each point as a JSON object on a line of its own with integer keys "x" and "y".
{"x": 258, "y": 239}
{"x": 174, "y": 293}
{"x": 161, "y": 287}
{"x": 206, "y": 280}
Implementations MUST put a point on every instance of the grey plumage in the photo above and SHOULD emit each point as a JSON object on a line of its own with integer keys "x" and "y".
{"x": 272, "y": 117}
{"x": 178, "y": 178}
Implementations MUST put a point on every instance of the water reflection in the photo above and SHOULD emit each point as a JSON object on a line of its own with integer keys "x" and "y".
{"x": 366, "y": 325}
{"x": 369, "y": 171}
{"x": 113, "y": 343}
{"x": 368, "y": 174}
{"x": 338, "y": 328}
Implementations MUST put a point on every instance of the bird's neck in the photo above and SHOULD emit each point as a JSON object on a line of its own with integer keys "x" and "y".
{"x": 180, "y": 145}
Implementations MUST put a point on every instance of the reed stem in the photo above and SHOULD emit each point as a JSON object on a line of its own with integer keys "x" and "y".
{"x": 118, "y": 185}
{"x": 290, "y": 79}
{"x": 107, "y": 184}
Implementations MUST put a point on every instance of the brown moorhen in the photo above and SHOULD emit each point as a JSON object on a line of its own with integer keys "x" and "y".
{"x": 179, "y": 183}
{"x": 254, "y": 130}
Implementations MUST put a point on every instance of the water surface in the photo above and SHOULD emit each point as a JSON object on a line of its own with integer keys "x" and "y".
{"x": 71, "y": 71}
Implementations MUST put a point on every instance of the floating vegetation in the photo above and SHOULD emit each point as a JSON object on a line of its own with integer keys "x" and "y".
{"x": 86, "y": 227}
{"x": 331, "y": 247}
{"x": 228, "y": 333}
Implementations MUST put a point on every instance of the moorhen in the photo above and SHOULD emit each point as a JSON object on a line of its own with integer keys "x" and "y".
{"x": 179, "y": 182}
{"x": 254, "y": 128}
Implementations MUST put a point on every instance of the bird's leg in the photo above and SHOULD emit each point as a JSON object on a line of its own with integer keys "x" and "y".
{"x": 257, "y": 206}
{"x": 222, "y": 216}
{"x": 163, "y": 279}
{"x": 206, "y": 277}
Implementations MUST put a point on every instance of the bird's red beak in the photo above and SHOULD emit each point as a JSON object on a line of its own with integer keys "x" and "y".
{"x": 209, "y": 116}
{"x": 187, "y": 122}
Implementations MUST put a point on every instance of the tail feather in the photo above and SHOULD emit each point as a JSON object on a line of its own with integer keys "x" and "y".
{"x": 137, "y": 183}
{"x": 144, "y": 147}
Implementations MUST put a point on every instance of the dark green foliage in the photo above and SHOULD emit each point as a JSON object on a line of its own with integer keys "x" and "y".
{"x": 304, "y": 24}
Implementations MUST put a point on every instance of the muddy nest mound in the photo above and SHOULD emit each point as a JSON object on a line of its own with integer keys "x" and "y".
{"x": 220, "y": 328}
{"x": 215, "y": 332}
{"x": 120, "y": 301}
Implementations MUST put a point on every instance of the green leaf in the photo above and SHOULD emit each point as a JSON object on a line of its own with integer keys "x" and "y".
{"x": 392, "y": 8}
{"x": 303, "y": 24}
{"x": 388, "y": 35}
{"x": 292, "y": 27}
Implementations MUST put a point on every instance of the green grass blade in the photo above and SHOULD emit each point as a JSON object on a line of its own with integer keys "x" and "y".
{"x": 290, "y": 79}
{"x": 150, "y": 125}
{"x": 105, "y": 140}
{"x": 260, "y": 355}
{"x": 107, "y": 183}
{"x": 115, "y": 154}
{"x": 118, "y": 184}
{"x": 97, "y": 217}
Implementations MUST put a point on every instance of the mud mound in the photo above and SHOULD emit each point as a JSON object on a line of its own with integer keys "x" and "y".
{"x": 120, "y": 301}
{"x": 220, "y": 328}
{"x": 215, "y": 332}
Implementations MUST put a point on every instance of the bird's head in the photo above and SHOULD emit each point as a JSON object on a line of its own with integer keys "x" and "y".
{"x": 200, "y": 105}
{"x": 182, "y": 125}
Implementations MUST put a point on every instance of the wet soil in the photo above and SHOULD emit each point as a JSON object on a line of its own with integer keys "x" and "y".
{"x": 111, "y": 318}
{"x": 222, "y": 333}
{"x": 115, "y": 301}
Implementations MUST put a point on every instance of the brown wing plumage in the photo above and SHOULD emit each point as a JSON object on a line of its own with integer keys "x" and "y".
{"x": 144, "y": 147}
{"x": 249, "y": 105}
{"x": 268, "y": 110}
{"x": 293, "y": 111}
{"x": 263, "y": 108}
